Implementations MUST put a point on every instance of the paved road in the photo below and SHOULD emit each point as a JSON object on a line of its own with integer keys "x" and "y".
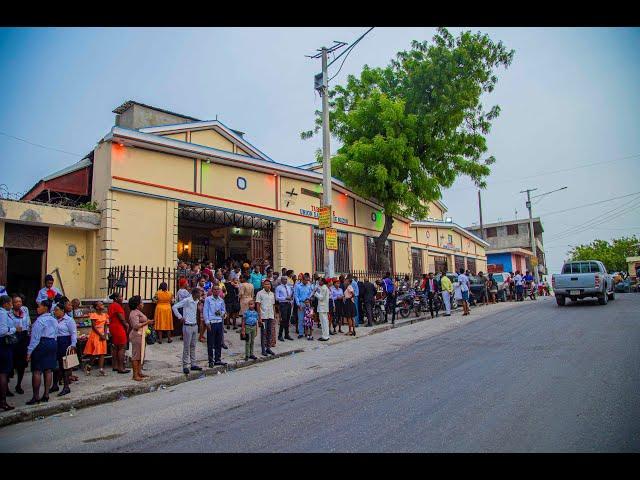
{"x": 526, "y": 378}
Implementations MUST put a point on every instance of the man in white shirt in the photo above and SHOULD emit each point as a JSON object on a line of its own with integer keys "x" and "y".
{"x": 519, "y": 281}
{"x": 265, "y": 302}
{"x": 213, "y": 312}
{"x": 465, "y": 286}
{"x": 189, "y": 308}
{"x": 322, "y": 294}
{"x": 284, "y": 297}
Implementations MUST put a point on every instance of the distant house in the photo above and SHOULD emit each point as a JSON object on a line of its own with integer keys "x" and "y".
{"x": 510, "y": 245}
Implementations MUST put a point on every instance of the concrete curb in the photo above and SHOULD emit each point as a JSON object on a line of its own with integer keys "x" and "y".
{"x": 45, "y": 410}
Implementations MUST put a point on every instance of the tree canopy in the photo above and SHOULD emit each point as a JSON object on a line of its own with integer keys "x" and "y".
{"x": 613, "y": 254}
{"x": 408, "y": 130}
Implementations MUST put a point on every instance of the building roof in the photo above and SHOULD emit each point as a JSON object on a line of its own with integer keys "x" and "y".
{"x": 521, "y": 251}
{"x": 236, "y": 135}
{"x": 536, "y": 220}
{"x": 43, "y": 184}
{"x": 452, "y": 225}
{"x": 85, "y": 162}
{"x": 129, "y": 103}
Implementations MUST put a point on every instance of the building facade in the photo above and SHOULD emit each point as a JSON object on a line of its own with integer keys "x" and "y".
{"x": 168, "y": 186}
{"x": 510, "y": 246}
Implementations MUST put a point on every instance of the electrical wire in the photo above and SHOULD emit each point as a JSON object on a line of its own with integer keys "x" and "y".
{"x": 41, "y": 146}
{"x": 547, "y": 214}
{"x": 346, "y": 53}
{"x": 599, "y": 219}
{"x": 550, "y": 172}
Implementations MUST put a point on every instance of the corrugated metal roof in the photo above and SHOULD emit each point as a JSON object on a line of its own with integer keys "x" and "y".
{"x": 85, "y": 162}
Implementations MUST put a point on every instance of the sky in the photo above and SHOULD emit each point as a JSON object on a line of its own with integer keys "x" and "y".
{"x": 570, "y": 108}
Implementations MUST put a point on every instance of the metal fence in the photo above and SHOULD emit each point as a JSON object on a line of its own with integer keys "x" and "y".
{"x": 141, "y": 280}
{"x": 145, "y": 281}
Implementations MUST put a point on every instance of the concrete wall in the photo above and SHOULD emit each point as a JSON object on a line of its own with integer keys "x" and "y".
{"x": 138, "y": 116}
{"x": 503, "y": 259}
{"x": 211, "y": 138}
{"x": 71, "y": 251}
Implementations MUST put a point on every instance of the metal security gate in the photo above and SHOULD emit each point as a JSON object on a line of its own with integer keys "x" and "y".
{"x": 471, "y": 265}
{"x": 262, "y": 246}
{"x": 459, "y": 262}
{"x": 416, "y": 262}
{"x": 440, "y": 264}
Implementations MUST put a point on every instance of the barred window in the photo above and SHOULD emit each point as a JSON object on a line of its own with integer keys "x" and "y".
{"x": 416, "y": 262}
{"x": 372, "y": 262}
{"x": 342, "y": 257}
{"x": 471, "y": 265}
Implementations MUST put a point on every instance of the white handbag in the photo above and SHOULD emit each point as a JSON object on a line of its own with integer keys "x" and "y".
{"x": 70, "y": 360}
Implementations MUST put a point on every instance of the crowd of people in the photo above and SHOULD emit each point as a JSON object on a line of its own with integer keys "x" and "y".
{"x": 251, "y": 299}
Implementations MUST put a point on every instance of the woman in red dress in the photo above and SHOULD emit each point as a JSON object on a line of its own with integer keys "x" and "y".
{"x": 119, "y": 330}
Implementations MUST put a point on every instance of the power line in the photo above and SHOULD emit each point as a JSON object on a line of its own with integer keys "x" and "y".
{"x": 39, "y": 145}
{"x": 551, "y": 172}
{"x": 346, "y": 53}
{"x": 632, "y": 205}
{"x": 547, "y": 214}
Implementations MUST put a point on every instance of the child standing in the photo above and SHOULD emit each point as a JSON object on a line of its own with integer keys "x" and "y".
{"x": 308, "y": 319}
{"x": 249, "y": 326}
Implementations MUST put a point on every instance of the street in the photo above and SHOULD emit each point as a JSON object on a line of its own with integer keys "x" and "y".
{"x": 526, "y": 377}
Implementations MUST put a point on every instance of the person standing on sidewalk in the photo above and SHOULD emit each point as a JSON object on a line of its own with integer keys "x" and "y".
{"x": 369, "y": 298}
{"x": 249, "y": 325}
{"x": 214, "y": 312}
{"x": 301, "y": 292}
{"x": 19, "y": 315}
{"x": 322, "y": 294}
{"x": 356, "y": 295}
{"x": 390, "y": 291}
{"x": 431, "y": 290}
{"x": 67, "y": 337}
{"x": 265, "y": 302}
{"x": 7, "y": 329}
{"x": 465, "y": 286}
{"x": 189, "y": 317}
{"x": 447, "y": 289}
{"x": 42, "y": 350}
{"x": 284, "y": 297}
{"x": 138, "y": 322}
{"x": 517, "y": 280}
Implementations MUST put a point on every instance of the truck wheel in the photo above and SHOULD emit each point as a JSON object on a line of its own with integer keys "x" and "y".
{"x": 560, "y": 300}
{"x": 603, "y": 299}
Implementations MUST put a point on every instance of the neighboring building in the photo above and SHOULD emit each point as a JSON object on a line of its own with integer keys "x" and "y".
{"x": 510, "y": 245}
{"x": 169, "y": 186}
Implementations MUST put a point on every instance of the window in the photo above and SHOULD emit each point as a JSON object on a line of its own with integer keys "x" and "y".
{"x": 342, "y": 258}
{"x": 416, "y": 262}
{"x": 459, "y": 262}
{"x": 471, "y": 265}
{"x": 372, "y": 263}
{"x": 492, "y": 232}
{"x": 512, "y": 229}
{"x": 440, "y": 264}
{"x": 450, "y": 238}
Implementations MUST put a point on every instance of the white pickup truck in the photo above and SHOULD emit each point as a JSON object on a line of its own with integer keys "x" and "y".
{"x": 581, "y": 280}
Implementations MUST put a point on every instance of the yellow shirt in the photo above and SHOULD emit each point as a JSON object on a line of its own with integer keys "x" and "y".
{"x": 446, "y": 284}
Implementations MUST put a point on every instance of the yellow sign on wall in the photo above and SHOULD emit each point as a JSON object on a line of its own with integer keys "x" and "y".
{"x": 325, "y": 217}
{"x": 533, "y": 261}
{"x": 331, "y": 238}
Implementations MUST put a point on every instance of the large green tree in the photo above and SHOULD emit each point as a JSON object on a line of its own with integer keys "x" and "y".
{"x": 410, "y": 129}
{"x": 613, "y": 254}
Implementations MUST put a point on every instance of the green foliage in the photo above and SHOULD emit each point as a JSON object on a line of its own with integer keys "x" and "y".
{"x": 91, "y": 206}
{"x": 613, "y": 254}
{"x": 410, "y": 129}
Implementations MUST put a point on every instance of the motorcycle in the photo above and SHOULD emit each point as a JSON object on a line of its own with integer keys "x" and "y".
{"x": 405, "y": 303}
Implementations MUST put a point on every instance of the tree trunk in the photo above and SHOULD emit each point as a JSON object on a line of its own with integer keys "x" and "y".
{"x": 384, "y": 262}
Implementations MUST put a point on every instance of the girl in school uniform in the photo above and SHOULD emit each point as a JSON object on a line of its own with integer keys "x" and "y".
{"x": 19, "y": 315}
{"x": 97, "y": 342}
{"x": 42, "y": 350}
{"x": 6, "y": 351}
{"x": 48, "y": 292}
{"x": 67, "y": 337}
{"x": 336, "y": 306}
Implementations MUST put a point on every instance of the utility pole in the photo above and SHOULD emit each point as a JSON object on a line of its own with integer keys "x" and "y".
{"x": 533, "y": 237}
{"x": 531, "y": 234}
{"x": 480, "y": 209}
{"x": 327, "y": 188}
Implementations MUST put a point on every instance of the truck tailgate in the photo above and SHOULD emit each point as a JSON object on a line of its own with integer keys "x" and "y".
{"x": 575, "y": 280}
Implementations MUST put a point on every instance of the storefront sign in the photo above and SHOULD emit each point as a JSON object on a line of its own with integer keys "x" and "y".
{"x": 450, "y": 246}
{"x": 324, "y": 217}
{"x": 314, "y": 213}
{"x": 331, "y": 239}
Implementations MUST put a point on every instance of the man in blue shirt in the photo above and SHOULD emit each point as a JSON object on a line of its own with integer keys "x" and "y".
{"x": 214, "y": 312}
{"x": 256, "y": 279}
{"x": 390, "y": 291}
{"x": 356, "y": 293}
{"x": 302, "y": 292}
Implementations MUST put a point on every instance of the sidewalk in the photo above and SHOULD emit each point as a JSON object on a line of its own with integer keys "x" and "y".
{"x": 163, "y": 364}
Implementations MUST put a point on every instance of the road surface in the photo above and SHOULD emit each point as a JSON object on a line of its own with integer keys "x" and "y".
{"x": 531, "y": 377}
